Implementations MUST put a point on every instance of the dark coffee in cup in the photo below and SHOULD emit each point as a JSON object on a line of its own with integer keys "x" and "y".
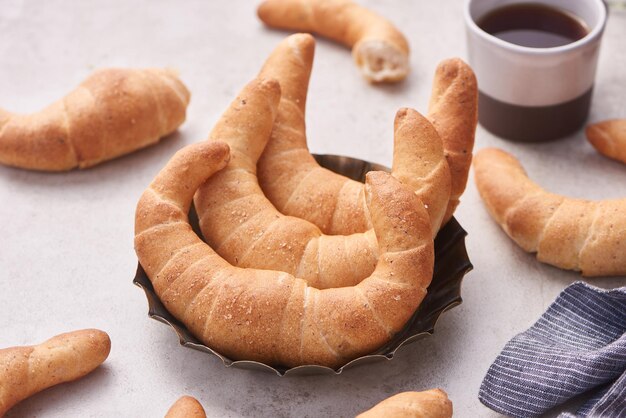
{"x": 534, "y": 25}
{"x": 535, "y": 64}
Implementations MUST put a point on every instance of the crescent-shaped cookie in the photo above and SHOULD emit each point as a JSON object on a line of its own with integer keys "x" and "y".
{"x": 573, "y": 234}
{"x": 243, "y": 226}
{"x": 432, "y": 403}
{"x": 271, "y": 316}
{"x": 113, "y": 112}
{"x": 609, "y": 138}
{"x": 186, "y": 407}
{"x": 379, "y": 49}
{"x": 27, "y": 370}
{"x": 296, "y": 184}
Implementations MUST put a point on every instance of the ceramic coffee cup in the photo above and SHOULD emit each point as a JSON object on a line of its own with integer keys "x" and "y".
{"x": 534, "y": 94}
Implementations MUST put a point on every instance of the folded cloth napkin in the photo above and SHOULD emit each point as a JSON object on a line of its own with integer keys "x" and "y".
{"x": 578, "y": 345}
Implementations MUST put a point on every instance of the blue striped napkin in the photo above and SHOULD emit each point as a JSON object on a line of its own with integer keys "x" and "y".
{"x": 578, "y": 345}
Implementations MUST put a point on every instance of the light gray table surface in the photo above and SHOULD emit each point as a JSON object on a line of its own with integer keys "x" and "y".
{"x": 66, "y": 240}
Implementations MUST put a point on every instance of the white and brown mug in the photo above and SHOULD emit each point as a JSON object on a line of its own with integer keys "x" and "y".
{"x": 528, "y": 93}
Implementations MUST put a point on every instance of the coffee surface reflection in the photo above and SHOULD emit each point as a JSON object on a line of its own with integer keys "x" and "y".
{"x": 534, "y": 25}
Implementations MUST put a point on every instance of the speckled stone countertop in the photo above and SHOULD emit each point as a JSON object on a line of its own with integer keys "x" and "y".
{"x": 66, "y": 240}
